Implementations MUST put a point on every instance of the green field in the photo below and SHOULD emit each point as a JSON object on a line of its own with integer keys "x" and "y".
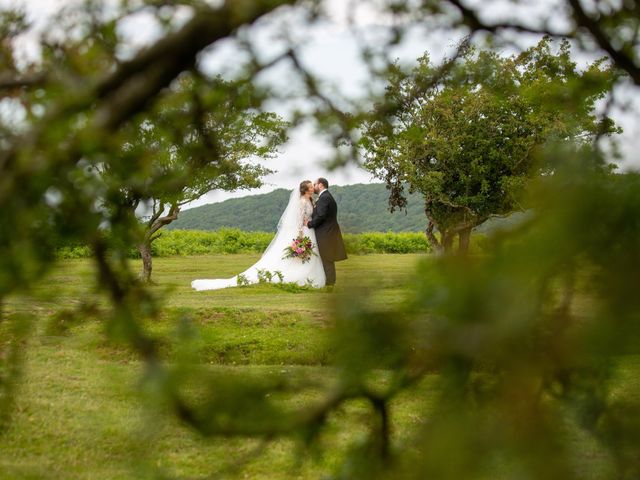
{"x": 81, "y": 414}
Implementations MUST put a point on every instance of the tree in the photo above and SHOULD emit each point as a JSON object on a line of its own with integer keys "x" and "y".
{"x": 516, "y": 353}
{"x": 75, "y": 111}
{"x": 203, "y": 135}
{"x": 468, "y": 139}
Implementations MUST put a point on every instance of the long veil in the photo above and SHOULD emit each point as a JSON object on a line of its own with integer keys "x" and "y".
{"x": 287, "y": 225}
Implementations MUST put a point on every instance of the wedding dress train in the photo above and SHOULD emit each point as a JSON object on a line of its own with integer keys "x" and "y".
{"x": 292, "y": 270}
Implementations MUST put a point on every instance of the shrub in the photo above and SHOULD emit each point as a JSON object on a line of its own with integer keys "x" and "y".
{"x": 232, "y": 240}
{"x": 389, "y": 242}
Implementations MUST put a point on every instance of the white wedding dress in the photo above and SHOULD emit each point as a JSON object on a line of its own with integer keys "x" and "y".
{"x": 293, "y": 270}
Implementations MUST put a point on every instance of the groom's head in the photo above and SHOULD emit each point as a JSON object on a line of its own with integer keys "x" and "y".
{"x": 320, "y": 185}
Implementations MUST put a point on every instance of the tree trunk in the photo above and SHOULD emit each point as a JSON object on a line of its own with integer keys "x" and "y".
{"x": 155, "y": 223}
{"x": 145, "y": 252}
{"x": 432, "y": 239}
{"x": 464, "y": 238}
{"x": 447, "y": 241}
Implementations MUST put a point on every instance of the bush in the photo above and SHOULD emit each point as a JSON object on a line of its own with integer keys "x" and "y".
{"x": 232, "y": 240}
{"x": 195, "y": 242}
{"x": 389, "y": 242}
{"x": 71, "y": 252}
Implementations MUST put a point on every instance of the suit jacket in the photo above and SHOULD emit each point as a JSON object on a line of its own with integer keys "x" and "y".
{"x": 325, "y": 222}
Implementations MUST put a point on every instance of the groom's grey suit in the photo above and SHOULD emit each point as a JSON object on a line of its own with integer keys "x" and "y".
{"x": 324, "y": 220}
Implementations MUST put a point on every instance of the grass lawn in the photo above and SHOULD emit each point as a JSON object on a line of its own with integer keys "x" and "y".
{"x": 81, "y": 414}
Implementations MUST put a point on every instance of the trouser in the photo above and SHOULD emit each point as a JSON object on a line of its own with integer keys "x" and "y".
{"x": 329, "y": 272}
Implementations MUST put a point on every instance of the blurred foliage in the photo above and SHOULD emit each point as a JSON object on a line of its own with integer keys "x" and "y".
{"x": 526, "y": 341}
{"x": 200, "y": 134}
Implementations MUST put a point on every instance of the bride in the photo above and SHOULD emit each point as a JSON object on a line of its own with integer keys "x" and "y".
{"x": 291, "y": 225}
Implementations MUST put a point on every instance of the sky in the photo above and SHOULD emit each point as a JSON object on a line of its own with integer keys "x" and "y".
{"x": 330, "y": 50}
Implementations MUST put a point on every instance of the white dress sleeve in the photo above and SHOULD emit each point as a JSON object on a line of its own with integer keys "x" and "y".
{"x": 301, "y": 215}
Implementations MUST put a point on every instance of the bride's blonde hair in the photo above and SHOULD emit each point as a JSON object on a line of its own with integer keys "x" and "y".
{"x": 304, "y": 187}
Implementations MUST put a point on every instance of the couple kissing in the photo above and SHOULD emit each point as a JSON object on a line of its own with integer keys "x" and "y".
{"x": 307, "y": 243}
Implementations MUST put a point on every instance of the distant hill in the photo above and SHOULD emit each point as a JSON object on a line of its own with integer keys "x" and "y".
{"x": 361, "y": 208}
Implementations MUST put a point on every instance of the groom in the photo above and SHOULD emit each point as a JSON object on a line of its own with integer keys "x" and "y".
{"x": 324, "y": 220}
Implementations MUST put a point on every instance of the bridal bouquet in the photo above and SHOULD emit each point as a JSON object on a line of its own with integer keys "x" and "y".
{"x": 301, "y": 248}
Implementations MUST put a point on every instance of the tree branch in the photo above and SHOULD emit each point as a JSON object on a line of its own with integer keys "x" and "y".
{"x": 162, "y": 221}
{"x": 10, "y": 82}
{"x": 582, "y": 19}
{"x": 621, "y": 59}
{"x": 380, "y": 405}
{"x": 472, "y": 20}
{"x": 433, "y": 240}
{"x": 127, "y": 90}
{"x": 130, "y": 87}
{"x": 158, "y": 208}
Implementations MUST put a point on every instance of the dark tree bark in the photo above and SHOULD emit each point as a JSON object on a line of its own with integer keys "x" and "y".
{"x": 447, "y": 235}
{"x": 432, "y": 239}
{"x": 147, "y": 262}
{"x": 12, "y": 82}
{"x": 155, "y": 223}
{"x": 447, "y": 240}
{"x": 445, "y": 244}
{"x": 464, "y": 236}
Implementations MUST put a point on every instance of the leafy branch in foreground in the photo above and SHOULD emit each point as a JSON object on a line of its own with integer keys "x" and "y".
{"x": 73, "y": 124}
{"x": 599, "y": 23}
{"x": 517, "y": 357}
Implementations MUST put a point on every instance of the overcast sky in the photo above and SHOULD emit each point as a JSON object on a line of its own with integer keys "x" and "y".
{"x": 330, "y": 51}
